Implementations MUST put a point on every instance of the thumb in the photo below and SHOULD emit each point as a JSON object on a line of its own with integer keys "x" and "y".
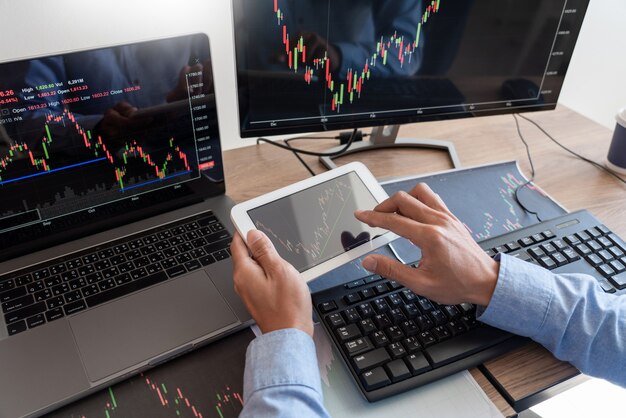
{"x": 392, "y": 269}
{"x": 263, "y": 250}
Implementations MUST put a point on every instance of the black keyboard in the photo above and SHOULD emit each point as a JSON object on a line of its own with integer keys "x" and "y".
{"x": 66, "y": 285}
{"x": 393, "y": 340}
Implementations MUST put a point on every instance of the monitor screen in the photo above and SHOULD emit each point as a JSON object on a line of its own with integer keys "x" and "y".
{"x": 96, "y": 138}
{"x": 314, "y": 225}
{"x": 305, "y": 65}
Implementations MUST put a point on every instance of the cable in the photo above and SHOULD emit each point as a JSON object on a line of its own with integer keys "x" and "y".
{"x": 532, "y": 172}
{"x": 315, "y": 154}
{"x": 598, "y": 165}
{"x": 300, "y": 158}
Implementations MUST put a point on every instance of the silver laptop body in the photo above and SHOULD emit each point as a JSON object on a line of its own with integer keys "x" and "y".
{"x": 110, "y": 160}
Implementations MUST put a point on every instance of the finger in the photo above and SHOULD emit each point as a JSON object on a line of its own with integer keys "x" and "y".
{"x": 263, "y": 250}
{"x": 407, "y": 205}
{"x": 392, "y": 269}
{"x": 239, "y": 251}
{"x": 393, "y": 222}
{"x": 425, "y": 194}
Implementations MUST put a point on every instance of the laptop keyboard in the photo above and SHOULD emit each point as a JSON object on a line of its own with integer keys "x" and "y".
{"x": 72, "y": 283}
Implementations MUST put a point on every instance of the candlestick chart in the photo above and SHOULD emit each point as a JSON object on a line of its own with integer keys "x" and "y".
{"x": 207, "y": 383}
{"x": 95, "y": 150}
{"x": 393, "y": 46}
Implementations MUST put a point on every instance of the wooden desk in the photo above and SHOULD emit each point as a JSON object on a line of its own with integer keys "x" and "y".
{"x": 529, "y": 374}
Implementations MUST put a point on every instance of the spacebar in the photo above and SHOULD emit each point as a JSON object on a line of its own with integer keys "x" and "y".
{"x": 116, "y": 292}
{"x": 465, "y": 345}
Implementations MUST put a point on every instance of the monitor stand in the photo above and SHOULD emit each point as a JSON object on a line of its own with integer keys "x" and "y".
{"x": 387, "y": 137}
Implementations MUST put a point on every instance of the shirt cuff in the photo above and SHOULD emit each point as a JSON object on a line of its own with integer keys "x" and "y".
{"x": 278, "y": 358}
{"x": 521, "y": 299}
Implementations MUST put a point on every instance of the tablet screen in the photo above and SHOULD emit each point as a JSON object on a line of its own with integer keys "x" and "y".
{"x": 317, "y": 224}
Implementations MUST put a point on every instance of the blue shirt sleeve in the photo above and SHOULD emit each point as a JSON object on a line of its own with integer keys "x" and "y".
{"x": 569, "y": 314}
{"x": 282, "y": 378}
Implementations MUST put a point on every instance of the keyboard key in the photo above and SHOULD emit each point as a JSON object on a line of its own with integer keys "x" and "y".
{"x": 411, "y": 311}
{"x": 381, "y": 288}
{"x": 617, "y": 266}
{"x": 396, "y": 316}
{"x": 536, "y": 252}
{"x": 221, "y": 255}
{"x": 606, "y": 286}
{"x": 74, "y": 307}
{"x": 351, "y": 315}
{"x": 412, "y": 345}
{"x": 351, "y": 298}
{"x": 424, "y": 322}
{"x": 397, "y": 370}
{"x": 605, "y": 242}
{"x": 594, "y": 260}
{"x": 73, "y": 296}
{"x": 335, "y": 320}
{"x": 176, "y": 271}
{"x": 417, "y": 363}
{"x": 358, "y": 346}
{"x": 605, "y": 270}
{"x": 367, "y": 326}
{"x": 192, "y": 265}
{"x": 560, "y": 259}
{"x": 206, "y": 260}
{"x": 594, "y": 246}
{"x": 381, "y": 306}
{"x": 54, "y": 314}
{"x": 370, "y": 359}
{"x": 426, "y": 338}
{"x": 394, "y": 333}
{"x": 548, "y": 234}
{"x": 395, "y": 301}
{"x": 6, "y": 285}
{"x": 35, "y": 321}
{"x": 394, "y": 285}
{"x": 355, "y": 283}
{"x": 583, "y": 236}
{"x": 16, "y": 327}
{"x": 13, "y": 294}
{"x": 438, "y": 317}
{"x": 616, "y": 252}
{"x": 326, "y": 307}
{"x": 559, "y": 245}
{"x": 548, "y": 248}
{"x": 455, "y": 328}
{"x": 513, "y": 246}
{"x": 572, "y": 240}
{"x": 409, "y": 328}
{"x": 375, "y": 379}
{"x": 367, "y": 293}
{"x": 379, "y": 338}
{"x": 619, "y": 281}
{"x": 347, "y": 333}
{"x": 366, "y": 310}
{"x": 526, "y": 241}
{"x": 465, "y": 344}
{"x": 372, "y": 279}
{"x": 570, "y": 254}
{"x": 538, "y": 237}
{"x": 55, "y": 302}
{"x": 441, "y": 333}
{"x": 547, "y": 262}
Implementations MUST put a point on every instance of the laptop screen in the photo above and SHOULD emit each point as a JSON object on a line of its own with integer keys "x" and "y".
{"x": 93, "y": 139}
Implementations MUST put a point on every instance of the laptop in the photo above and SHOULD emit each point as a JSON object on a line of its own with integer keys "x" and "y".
{"x": 114, "y": 222}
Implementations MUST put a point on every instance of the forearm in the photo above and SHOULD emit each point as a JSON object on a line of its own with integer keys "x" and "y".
{"x": 281, "y": 377}
{"x": 569, "y": 314}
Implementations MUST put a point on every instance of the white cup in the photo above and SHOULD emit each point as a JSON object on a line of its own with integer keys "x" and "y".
{"x": 616, "y": 160}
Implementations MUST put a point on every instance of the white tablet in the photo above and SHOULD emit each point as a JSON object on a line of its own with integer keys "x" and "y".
{"x": 312, "y": 223}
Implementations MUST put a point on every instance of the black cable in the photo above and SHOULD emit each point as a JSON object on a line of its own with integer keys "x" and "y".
{"x": 298, "y": 156}
{"x": 598, "y": 165}
{"x": 532, "y": 172}
{"x": 315, "y": 154}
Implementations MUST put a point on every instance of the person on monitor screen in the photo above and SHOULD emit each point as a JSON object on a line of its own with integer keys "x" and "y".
{"x": 569, "y": 314}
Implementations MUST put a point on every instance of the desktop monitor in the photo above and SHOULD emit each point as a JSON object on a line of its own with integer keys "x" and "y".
{"x": 305, "y": 66}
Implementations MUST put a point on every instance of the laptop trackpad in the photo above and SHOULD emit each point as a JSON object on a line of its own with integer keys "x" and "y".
{"x": 131, "y": 330}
